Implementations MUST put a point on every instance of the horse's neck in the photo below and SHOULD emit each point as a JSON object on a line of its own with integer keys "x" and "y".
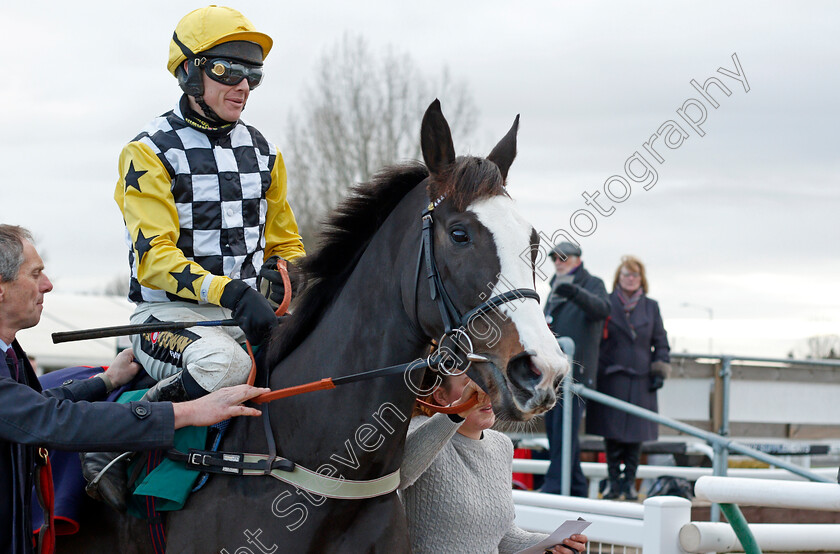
{"x": 358, "y": 428}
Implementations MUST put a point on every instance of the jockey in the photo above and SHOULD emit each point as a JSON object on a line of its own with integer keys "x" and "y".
{"x": 203, "y": 197}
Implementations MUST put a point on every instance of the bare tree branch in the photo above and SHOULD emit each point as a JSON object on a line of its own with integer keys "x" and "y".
{"x": 362, "y": 113}
{"x": 823, "y": 347}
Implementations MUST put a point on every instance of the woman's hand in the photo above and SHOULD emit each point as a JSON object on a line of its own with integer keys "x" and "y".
{"x": 470, "y": 391}
{"x": 575, "y": 544}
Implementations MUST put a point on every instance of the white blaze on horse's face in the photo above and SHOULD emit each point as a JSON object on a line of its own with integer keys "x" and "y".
{"x": 512, "y": 236}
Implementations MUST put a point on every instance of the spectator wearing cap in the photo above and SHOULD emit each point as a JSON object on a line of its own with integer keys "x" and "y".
{"x": 576, "y": 308}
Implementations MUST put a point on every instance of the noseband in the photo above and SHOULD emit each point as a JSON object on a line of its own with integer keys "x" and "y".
{"x": 454, "y": 324}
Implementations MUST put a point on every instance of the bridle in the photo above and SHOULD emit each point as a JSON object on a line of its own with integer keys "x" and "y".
{"x": 455, "y": 325}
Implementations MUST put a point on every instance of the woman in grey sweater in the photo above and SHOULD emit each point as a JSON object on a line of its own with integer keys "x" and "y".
{"x": 456, "y": 480}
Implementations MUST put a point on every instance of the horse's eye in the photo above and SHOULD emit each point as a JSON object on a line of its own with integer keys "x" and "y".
{"x": 459, "y": 236}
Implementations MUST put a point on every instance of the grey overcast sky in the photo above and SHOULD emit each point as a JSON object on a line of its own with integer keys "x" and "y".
{"x": 742, "y": 221}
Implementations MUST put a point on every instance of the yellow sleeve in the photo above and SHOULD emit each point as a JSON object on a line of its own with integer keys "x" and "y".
{"x": 281, "y": 230}
{"x": 144, "y": 196}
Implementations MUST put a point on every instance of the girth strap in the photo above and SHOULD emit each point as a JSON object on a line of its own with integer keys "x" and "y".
{"x": 229, "y": 463}
{"x": 288, "y": 472}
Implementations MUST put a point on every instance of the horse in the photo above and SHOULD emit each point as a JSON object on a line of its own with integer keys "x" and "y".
{"x": 366, "y": 305}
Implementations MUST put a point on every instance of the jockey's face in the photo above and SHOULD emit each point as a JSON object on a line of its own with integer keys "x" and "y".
{"x": 227, "y": 101}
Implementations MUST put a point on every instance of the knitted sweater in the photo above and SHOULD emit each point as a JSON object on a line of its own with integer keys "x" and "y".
{"x": 457, "y": 491}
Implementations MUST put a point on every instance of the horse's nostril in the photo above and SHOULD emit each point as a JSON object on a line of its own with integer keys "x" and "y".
{"x": 535, "y": 370}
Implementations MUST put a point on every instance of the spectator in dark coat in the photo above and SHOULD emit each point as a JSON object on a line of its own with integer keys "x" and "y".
{"x": 32, "y": 420}
{"x": 576, "y": 308}
{"x": 633, "y": 365}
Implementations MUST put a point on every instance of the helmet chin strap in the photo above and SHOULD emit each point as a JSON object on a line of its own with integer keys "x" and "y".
{"x": 208, "y": 111}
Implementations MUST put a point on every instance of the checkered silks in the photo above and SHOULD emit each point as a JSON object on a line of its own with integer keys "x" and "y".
{"x": 219, "y": 187}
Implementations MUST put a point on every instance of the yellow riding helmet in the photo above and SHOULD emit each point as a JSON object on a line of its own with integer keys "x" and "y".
{"x": 205, "y": 28}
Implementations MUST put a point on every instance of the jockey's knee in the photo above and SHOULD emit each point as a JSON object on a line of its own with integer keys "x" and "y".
{"x": 225, "y": 365}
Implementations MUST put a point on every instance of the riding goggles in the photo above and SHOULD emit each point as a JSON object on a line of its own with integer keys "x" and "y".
{"x": 231, "y": 73}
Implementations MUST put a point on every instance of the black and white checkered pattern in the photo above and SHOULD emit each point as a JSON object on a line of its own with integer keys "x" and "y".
{"x": 219, "y": 186}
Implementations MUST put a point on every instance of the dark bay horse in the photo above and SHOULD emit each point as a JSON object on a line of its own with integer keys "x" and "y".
{"x": 368, "y": 305}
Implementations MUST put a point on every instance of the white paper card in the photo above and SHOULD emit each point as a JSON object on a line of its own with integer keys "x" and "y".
{"x": 570, "y": 527}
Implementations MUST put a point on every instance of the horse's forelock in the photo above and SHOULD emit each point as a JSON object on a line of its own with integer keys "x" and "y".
{"x": 467, "y": 180}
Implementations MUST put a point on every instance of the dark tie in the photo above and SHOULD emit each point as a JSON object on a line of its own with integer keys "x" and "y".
{"x": 12, "y": 360}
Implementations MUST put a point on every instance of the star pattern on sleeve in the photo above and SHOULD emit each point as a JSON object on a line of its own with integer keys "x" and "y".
{"x": 143, "y": 245}
{"x": 132, "y": 177}
{"x": 185, "y": 279}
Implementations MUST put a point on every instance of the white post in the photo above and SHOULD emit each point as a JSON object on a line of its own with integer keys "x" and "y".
{"x": 664, "y": 517}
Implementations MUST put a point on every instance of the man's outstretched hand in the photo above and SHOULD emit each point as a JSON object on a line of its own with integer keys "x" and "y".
{"x": 217, "y": 406}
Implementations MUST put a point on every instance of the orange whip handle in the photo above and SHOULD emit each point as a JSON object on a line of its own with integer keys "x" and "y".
{"x": 282, "y": 267}
{"x": 323, "y": 384}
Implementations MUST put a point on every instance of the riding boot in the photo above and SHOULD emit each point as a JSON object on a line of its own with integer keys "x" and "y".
{"x": 613, "y": 455}
{"x": 111, "y": 486}
{"x": 632, "y": 453}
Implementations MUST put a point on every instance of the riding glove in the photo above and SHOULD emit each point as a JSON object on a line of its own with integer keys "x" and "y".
{"x": 250, "y": 310}
{"x": 271, "y": 282}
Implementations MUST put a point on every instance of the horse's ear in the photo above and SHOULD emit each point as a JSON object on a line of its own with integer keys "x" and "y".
{"x": 504, "y": 152}
{"x": 436, "y": 140}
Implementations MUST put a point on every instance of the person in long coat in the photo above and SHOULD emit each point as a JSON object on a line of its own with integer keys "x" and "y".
{"x": 633, "y": 363}
{"x": 576, "y": 308}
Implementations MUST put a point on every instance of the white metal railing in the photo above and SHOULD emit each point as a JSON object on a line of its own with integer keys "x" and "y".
{"x": 776, "y": 494}
{"x": 771, "y": 537}
{"x": 696, "y": 537}
{"x": 617, "y": 527}
{"x": 662, "y": 525}
{"x": 595, "y": 471}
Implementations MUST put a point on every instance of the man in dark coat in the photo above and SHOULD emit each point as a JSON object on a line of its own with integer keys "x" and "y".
{"x": 576, "y": 308}
{"x": 31, "y": 418}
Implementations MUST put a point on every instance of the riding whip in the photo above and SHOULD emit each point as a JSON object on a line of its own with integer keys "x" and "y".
{"x": 123, "y": 330}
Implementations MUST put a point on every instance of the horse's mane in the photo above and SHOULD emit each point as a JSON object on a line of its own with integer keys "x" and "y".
{"x": 348, "y": 230}
{"x": 345, "y": 234}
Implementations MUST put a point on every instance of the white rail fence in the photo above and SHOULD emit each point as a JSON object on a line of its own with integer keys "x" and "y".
{"x": 617, "y": 527}
{"x": 698, "y": 537}
{"x": 662, "y": 525}
{"x": 595, "y": 471}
